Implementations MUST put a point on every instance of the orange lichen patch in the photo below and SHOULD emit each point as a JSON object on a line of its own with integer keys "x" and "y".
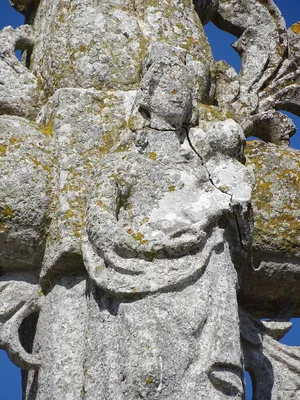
{"x": 296, "y": 28}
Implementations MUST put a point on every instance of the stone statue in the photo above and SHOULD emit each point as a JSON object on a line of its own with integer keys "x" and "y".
{"x": 135, "y": 245}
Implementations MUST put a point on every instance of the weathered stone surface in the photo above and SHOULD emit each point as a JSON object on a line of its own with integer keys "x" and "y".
{"x": 206, "y": 9}
{"x": 159, "y": 339}
{"x": 126, "y": 207}
{"x": 20, "y": 296}
{"x": 274, "y": 280}
{"x": 103, "y": 47}
{"x": 273, "y": 366}
{"x": 262, "y": 39}
{"x": 269, "y": 76}
{"x": 293, "y": 36}
{"x": 275, "y": 198}
{"x": 26, "y": 164}
{"x": 18, "y": 86}
{"x": 272, "y": 126}
{"x": 59, "y": 341}
{"x": 227, "y": 84}
{"x": 85, "y": 125}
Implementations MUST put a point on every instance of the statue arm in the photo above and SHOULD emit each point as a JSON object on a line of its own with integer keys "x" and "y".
{"x": 103, "y": 229}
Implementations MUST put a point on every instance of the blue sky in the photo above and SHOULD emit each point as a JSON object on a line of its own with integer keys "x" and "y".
{"x": 10, "y": 381}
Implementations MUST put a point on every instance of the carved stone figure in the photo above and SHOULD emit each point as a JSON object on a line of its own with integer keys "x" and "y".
{"x": 129, "y": 248}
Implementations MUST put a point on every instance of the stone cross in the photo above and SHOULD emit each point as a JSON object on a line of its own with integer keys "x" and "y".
{"x": 138, "y": 250}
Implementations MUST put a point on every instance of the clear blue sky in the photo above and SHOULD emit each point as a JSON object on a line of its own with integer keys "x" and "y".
{"x": 10, "y": 381}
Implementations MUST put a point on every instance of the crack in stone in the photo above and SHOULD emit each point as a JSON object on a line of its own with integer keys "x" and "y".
{"x": 214, "y": 185}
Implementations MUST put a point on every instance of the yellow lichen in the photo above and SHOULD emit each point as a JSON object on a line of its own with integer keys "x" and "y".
{"x": 6, "y": 212}
{"x": 47, "y": 129}
{"x": 69, "y": 214}
{"x": 82, "y": 48}
{"x": 152, "y": 155}
{"x": 46, "y": 168}
{"x": 14, "y": 140}
{"x": 296, "y": 28}
{"x": 131, "y": 123}
{"x": 102, "y": 205}
{"x": 3, "y": 149}
{"x": 4, "y": 228}
{"x": 223, "y": 188}
{"x": 108, "y": 140}
{"x": 137, "y": 236}
{"x": 35, "y": 161}
{"x": 76, "y": 232}
{"x": 275, "y": 198}
{"x": 120, "y": 180}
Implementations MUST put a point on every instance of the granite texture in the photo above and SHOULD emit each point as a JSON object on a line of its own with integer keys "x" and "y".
{"x": 138, "y": 247}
